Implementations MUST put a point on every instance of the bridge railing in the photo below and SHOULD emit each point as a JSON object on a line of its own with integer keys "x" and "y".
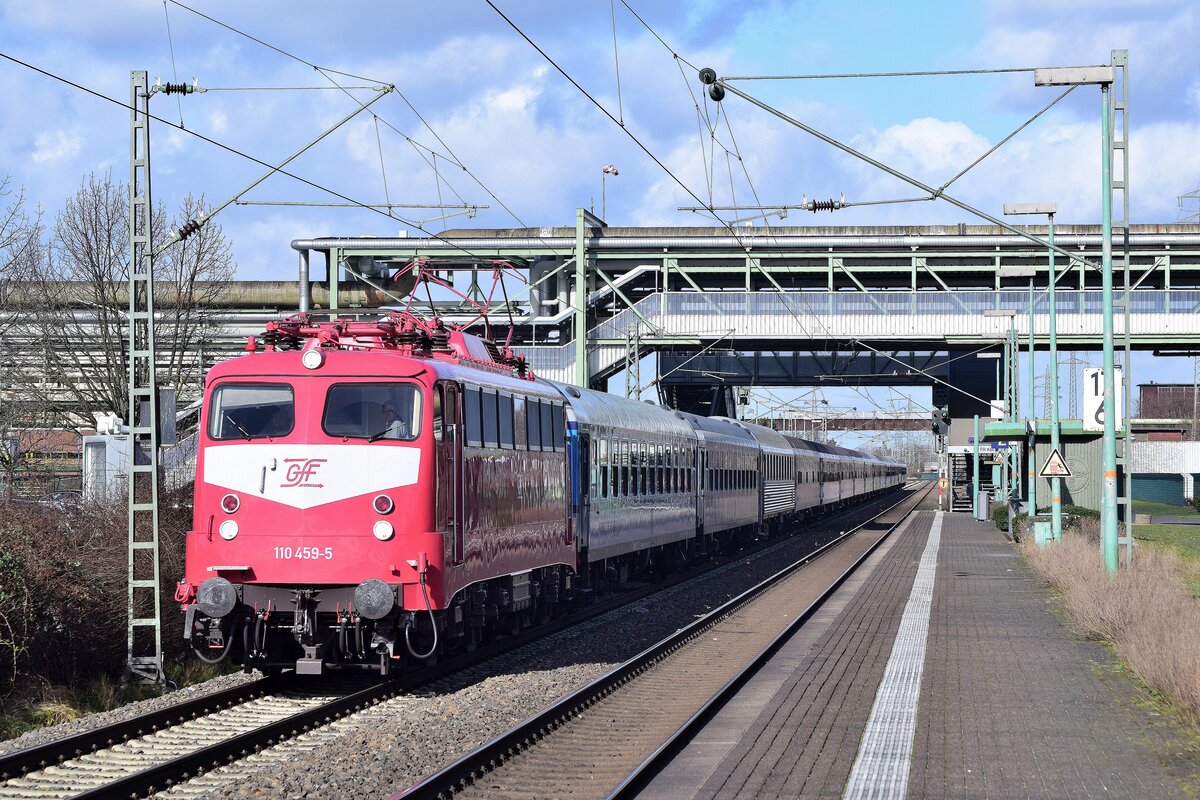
{"x": 885, "y": 314}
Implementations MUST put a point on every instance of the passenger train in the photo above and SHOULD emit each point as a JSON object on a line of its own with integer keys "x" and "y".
{"x": 374, "y": 493}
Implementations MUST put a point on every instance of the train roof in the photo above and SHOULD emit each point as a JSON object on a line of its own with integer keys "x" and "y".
{"x": 767, "y": 438}
{"x": 718, "y": 429}
{"x": 600, "y": 408}
{"x": 836, "y": 451}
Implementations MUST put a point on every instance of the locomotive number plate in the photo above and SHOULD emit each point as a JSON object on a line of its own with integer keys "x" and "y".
{"x": 307, "y": 553}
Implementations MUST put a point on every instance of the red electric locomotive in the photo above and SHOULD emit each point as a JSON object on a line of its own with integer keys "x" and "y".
{"x": 369, "y": 492}
{"x": 333, "y": 497}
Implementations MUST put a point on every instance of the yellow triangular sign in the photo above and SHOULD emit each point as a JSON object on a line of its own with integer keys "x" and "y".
{"x": 1055, "y": 466}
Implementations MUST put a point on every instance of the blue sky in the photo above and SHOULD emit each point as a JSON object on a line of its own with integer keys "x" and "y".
{"x": 533, "y": 140}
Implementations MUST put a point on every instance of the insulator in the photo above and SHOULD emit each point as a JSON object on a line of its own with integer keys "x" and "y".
{"x": 825, "y": 205}
{"x": 188, "y": 228}
{"x": 176, "y": 88}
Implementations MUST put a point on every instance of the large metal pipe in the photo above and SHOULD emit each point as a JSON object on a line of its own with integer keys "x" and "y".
{"x": 305, "y": 296}
{"x": 757, "y": 240}
{"x": 209, "y": 294}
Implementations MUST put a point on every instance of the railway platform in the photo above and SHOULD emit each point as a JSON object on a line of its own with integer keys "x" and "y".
{"x": 944, "y": 669}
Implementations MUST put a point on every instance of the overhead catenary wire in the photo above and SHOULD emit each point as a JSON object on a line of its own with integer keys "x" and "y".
{"x": 612, "y": 7}
{"x": 326, "y": 72}
{"x": 232, "y": 150}
{"x": 174, "y": 70}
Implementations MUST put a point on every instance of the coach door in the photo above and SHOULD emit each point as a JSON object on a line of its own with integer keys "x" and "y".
{"x": 448, "y": 433}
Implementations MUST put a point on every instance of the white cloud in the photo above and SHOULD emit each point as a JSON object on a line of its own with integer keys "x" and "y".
{"x": 56, "y": 146}
{"x": 218, "y": 122}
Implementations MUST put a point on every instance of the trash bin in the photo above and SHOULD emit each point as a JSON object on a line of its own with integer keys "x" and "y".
{"x": 983, "y": 506}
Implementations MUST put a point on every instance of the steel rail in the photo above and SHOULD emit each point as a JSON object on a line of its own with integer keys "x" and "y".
{"x": 653, "y": 764}
{"x": 460, "y": 773}
{"x": 21, "y": 762}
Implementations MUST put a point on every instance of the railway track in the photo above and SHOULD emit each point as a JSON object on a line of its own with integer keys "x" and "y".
{"x": 149, "y": 753}
{"x": 166, "y": 748}
{"x": 604, "y": 728}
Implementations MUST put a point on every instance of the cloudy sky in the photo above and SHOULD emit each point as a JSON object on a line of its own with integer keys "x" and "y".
{"x": 481, "y": 117}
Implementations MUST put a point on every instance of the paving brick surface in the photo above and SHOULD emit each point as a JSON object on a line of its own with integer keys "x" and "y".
{"x": 1016, "y": 704}
{"x": 803, "y": 744}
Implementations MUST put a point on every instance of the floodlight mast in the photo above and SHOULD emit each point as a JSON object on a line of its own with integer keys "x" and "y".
{"x": 1103, "y": 76}
{"x": 1049, "y": 209}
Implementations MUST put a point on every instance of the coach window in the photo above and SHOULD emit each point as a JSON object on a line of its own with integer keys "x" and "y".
{"x": 373, "y": 411}
{"x": 505, "y": 405}
{"x": 628, "y": 474}
{"x": 491, "y": 420}
{"x": 664, "y": 483}
{"x": 533, "y": 423}
{"x": 644, "y": 481}
{"x": 602, "y": 459}
{"x": 520, "y": 431}
{"x": 550, "y": 412}
{"x": 651, "y": 469}
{"x": 635, "y": 472}
{"x": 251, "y": 410}
{"x": 652, "y": 485}
{"x": 667, "y": 470}
{"x": 614, "y": 469}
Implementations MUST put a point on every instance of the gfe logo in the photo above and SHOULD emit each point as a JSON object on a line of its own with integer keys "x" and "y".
{"x": 302, "y": 472}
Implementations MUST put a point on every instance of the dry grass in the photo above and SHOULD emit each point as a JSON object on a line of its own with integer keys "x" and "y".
{"x": 1145, "y": 612}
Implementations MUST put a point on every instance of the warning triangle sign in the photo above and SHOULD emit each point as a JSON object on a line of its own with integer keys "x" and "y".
{"x": 1055, "y": 466}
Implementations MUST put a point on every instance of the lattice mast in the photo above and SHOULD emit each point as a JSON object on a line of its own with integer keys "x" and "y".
{"x": 144, "y": 640}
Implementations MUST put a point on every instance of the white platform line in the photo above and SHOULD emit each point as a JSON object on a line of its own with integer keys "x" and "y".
{"x": 885, "y": 753}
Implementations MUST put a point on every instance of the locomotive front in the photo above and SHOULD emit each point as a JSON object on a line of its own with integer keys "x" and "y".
{"x": 313, "y": 527}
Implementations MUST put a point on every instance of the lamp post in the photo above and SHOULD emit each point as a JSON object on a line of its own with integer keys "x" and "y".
{"x": 605, "y": 171}
{"x": 1008, "y": 390}
{"x": 1049, "y": 209}
{"x": 1104, "y": 77}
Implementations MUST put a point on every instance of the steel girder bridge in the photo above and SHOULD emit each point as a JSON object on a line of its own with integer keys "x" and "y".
{"x": 779, "y": 306}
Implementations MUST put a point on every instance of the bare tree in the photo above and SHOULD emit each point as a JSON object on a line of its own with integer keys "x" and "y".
{"x": 190, "y": 276}
{"x": 20, "y": 250}
{"x": 83, "y": 290}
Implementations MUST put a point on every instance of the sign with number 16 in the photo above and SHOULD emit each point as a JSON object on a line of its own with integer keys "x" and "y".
{"x": 1093, "y": 399}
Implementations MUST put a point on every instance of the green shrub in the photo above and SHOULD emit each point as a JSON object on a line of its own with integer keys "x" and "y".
{"x": 1000, "y": 516}
{"x": 1080, "y": 511}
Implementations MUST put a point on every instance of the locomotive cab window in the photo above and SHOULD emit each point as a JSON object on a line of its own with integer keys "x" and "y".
{"x": 373, "y": 411}
{"x": 251, "y": 411}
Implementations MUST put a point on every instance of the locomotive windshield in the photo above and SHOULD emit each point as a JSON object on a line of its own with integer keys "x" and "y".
{"x": 251, "y": 410}
{"x": 373, "y": 411}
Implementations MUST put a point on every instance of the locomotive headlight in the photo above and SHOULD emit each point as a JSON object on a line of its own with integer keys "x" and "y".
{"x": 383, "y": 530}
{"x": 383, "y": 504}
{"x": 230, "y": 503}
{"x": 312, "y": 359}
{"x": 229, "y": 529}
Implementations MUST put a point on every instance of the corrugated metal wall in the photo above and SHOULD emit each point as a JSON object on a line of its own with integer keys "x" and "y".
{"x": 1158, "y": 487}
{"x": 1158, "y": 457}
{"x": 1083, "y": 457}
